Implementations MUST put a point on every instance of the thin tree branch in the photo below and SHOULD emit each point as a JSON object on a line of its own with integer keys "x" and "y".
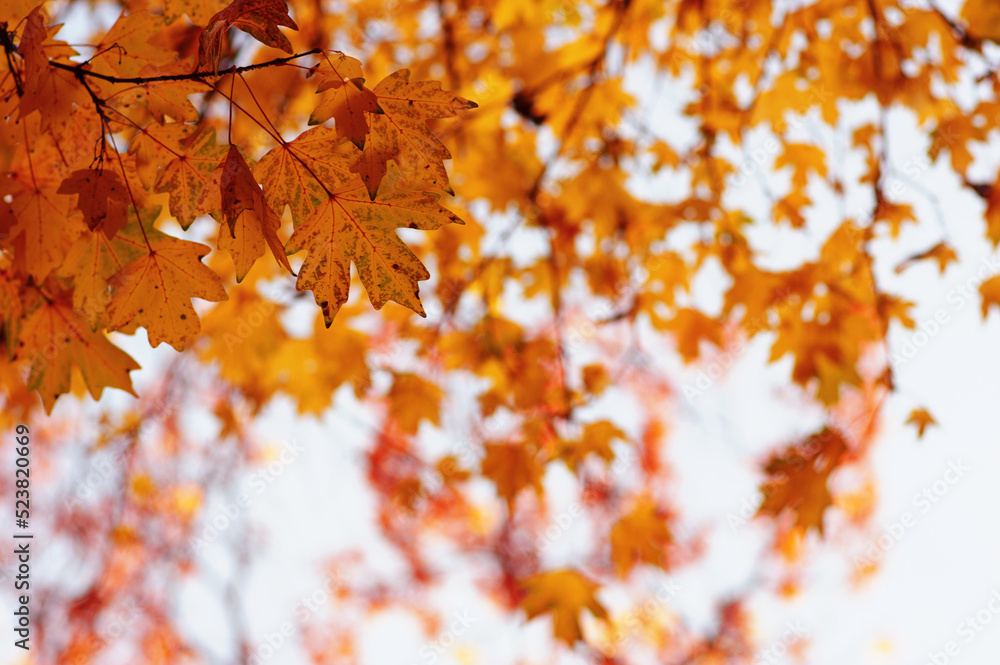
{"x": 79, "y": 71}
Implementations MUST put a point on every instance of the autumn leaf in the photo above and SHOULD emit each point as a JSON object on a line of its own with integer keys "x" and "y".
{"x": 155, "y": 290}
{"x": 348, "y": 227}
{"x": 47, "y": 89}
{"x": 691, "y": 327}
{"x": 251, "y": 221}
{"x": 563, "y": 594}
{"x": 797, "y": 479}
{"x": 451, "y": 472}
{"x": 137, "y": 42}
{"x": 55, "y": 339}
{"x": 791, "y": 208}
{"x": 890, "y": 307}
{"x": 189, "y": 158}
{"x": 11, "y": 308}
{"x": 921, "y": 419}
{"x": 258, "y": 18}
{"x": 990, "y": 292}
{"x": 45, "y": 225}
{"x": 802, "y": 158}
{"x": 596, "y": 378}
{"x": 819, "y": 355}
{"x": 595, "y": 440}
{"x": 512, "y": 468}
{"x": 311, "y": 370}
{"x": 941, "y": 252}
{"x": 94, "y": 259}
{"x": 102, "y": 197}
{"x": 642, "y": 535}
{"x": 343, "y": 97}
{"x": 982, "y": 18}
{"x": 401, "y": 133}
{"x": 588, "y": 251}
{"x": 992, "y": 214}
{"x": 200, "y": 11}
{"x": 896, "y": 214}
{"x": 412, "y": 399}
{"x": 300, "y": 173}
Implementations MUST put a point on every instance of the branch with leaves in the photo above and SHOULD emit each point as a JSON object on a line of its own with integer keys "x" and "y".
{"x": 92, "y": 241}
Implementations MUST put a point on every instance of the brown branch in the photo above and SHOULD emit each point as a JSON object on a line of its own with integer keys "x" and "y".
{"x": 79, "y": 71}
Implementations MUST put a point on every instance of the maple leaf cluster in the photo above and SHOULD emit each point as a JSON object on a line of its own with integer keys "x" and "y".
{"x": 100, "y": 153}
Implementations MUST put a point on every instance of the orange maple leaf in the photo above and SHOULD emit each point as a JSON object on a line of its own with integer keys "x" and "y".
{"x": 595, "y": 440}
{"x": 258, "y": 18}
{"x": 563, "y": 593}
{"x": 349, "y": 227}
{"x": 990, "y": 292}
{"x": 641, "y": 535}
{"x": 797, "y": 479}
{"x": 922, "y": 418}
{"x": 512, "y": 468}
{"x": 47, "y": 89}
{"x": 941, "y": 252}
{"x": 252, "y": 223}
{"x": 344, "y": 97}
{"x": 413, "y": 399}
{"x": 155, "y": 290}
{"x": 189, "y": 158}
{"x": 102, "y": 196}
{"x": 55, "y": 339}
{"x": 299, "y": 173}
{"x": 93, "y": 260}
{"x": 401, "y": 133}
{"x": 43, "y": 219}
{"x": 691, "y": 327}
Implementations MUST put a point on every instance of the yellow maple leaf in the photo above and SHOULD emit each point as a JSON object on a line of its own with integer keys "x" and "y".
{"x": 896, "y": 214}
{"x": 413, "y": 399}
{"x": 182, "y": 160}
{"x": 563, "y": 593}
{"x": 691, "y": 327}
{"x": 252, "y": 223}
{"x": 641, "y": 535}
{"x": 512, "y": 467}
{"x": 298, "y": 173}
{"x": 92, "y": 260}
{"x": 595, "y": 440}
{"x": 310, "y": 370}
